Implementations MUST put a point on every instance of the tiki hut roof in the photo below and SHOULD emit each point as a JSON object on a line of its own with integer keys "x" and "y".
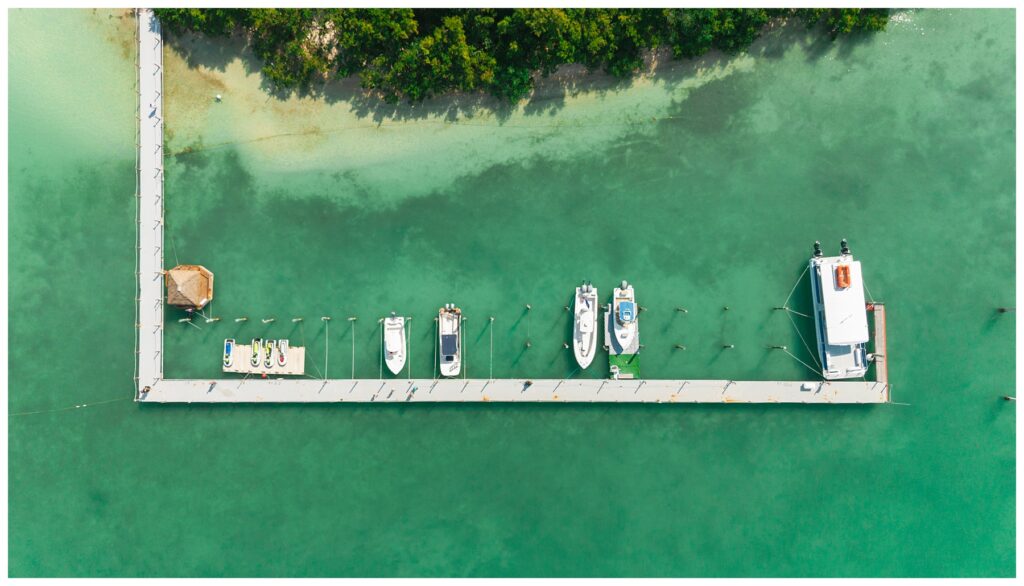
{"x": 189, "y": 286}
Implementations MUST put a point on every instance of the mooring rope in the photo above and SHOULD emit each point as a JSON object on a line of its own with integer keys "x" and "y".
{"x": 871, "y": 297}
{"x": 71, "y": 408}
{"x": 173, "y": 245}
{"x": 302, "y": 332}
{"x": 804, "y": 341}
{"x": 809, "y": 367}
{"x": 138, "y": 206}
{"x": 795, "y": 285}
{"x": 353, "y": 322}
{"x": 408, "y": 346}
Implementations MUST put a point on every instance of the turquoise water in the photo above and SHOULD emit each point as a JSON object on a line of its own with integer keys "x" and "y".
{"x": 703, "y": 185}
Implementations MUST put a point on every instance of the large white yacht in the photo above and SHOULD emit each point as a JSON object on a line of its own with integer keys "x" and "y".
{"x": 584, "y": 331}
{"x": 840, "y": 314}
{"x": 449, "y": 327}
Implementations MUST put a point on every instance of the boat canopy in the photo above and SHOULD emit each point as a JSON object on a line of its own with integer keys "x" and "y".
{"x": 449, "y": 344}
{"x": 627, "y": 311}
{"x": 846, "y": 319}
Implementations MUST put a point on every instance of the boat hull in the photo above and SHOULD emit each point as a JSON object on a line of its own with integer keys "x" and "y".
{"x": 449, "y": 333}
{"x": 395, "y": 348}
{"x": 624, "y": 334}
{"x": 282, "y": 353}
{"x": 838, "y": 361}
{"x": 584, "y": 335}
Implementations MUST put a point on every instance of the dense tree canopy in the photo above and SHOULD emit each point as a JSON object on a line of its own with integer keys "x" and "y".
{"x": 414, "y": 54}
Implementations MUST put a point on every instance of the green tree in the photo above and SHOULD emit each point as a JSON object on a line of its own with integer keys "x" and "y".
{"x": 415, "y": 54}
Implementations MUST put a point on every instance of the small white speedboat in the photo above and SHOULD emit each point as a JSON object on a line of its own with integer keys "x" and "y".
{"x": 257, "y": 351}
{"x": 268, "y": 357}
{"x": 449, "y": 331}
{"x": 229, "y": 352}
{"x": 624, "y": 321}
{"x": 282, "y": 352}
{"x": 584, "y": 331}
{"x": 394, "y": 343}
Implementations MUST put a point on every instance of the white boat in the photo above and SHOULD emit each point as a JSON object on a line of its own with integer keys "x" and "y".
{"x": 394, "y": 343}
{"x": 449, "y": 331}
{"x": 257, "y": 352}
{"x": 282, "y": 352}
{"x": 268, "y": 356}
{"x": 229, "y": 352}
{"x": 624, "y": 324}
{"x": 840, "y": 313}
{"x": 584, "y": 331}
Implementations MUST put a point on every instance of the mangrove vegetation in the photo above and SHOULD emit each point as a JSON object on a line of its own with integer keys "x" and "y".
{"x": 414, "y": 54}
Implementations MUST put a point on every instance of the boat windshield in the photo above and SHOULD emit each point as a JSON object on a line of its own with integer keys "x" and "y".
{"x": 449, "y": 344}
{"x": 627, "y": 311}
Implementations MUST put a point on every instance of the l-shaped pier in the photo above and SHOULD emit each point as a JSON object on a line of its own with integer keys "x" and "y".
{"x": 152, "y": 387}
{"x": 456, "y": 390}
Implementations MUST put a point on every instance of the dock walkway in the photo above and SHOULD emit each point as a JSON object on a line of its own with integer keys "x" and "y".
{"x": 150, "y": 323}
{"x": 881, "y": 360}
{"x": 512, "y": 390}
{"x": 151, "y": 387}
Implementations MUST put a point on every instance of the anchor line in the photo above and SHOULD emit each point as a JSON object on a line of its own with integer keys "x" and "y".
{"x": 71, "y": 408}
{"x": 302, "y": 332}
{"x": 795, "y": 285}
{"x": 809, "y": 367}
{"x": 871, "y": 297}
{"x": 138, "y": 212}
{"x": 327, "y": 342}
{"x": 173, "y": 246}
{"x": 804, "y": 341}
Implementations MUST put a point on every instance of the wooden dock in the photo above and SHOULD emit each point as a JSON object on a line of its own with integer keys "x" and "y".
{"x": 881, "y": 358}
{"x": 152, "y": 387}
{"x": 150, "y": 196}
{"x": 456, "y": 390}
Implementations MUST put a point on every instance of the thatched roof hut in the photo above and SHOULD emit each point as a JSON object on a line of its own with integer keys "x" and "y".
{"x": 189, "y": 286}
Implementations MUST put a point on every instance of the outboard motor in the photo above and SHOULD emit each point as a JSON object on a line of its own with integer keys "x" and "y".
{"x": 845, "y": 248}
{"x": 817, "y": 248}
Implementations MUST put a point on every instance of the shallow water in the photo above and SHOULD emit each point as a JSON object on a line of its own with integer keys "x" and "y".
{"x": 704, "y": 185}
